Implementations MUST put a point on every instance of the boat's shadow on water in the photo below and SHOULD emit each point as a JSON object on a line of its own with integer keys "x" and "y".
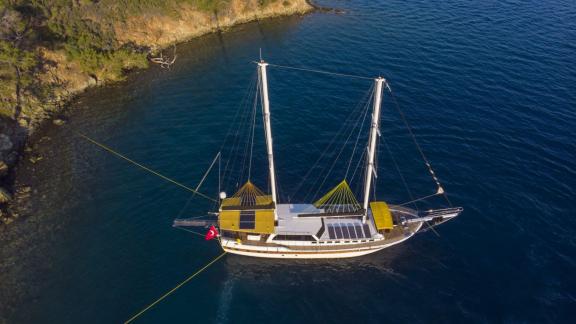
{"x": 306, "y": 281}
{"x": 242, "y": 267}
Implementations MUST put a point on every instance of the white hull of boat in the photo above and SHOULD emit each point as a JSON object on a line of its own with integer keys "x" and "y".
{"x": 301, "y": 255}
{"x": 293, "y": 252}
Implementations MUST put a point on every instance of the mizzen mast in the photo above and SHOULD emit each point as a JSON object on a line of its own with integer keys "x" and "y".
{"x": 372, "y": 142}
{"x": 268, "y": 129}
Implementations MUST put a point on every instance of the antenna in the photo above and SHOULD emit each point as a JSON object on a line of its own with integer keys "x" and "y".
{"x": 260, "y": 49}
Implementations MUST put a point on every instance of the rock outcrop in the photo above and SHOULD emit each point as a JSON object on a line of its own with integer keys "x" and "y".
{"x": 159, "y": 31}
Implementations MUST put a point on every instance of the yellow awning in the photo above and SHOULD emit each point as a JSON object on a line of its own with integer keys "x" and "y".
{"x": 339, "y": 199}
{"x": 382, "y": 215}
{"x": 249, "y": 221}
{"x": 248, "y": 196}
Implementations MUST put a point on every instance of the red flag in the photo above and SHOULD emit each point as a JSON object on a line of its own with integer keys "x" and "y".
{"x": 212, "y": 233}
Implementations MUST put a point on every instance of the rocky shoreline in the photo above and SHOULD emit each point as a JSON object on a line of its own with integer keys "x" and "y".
{"x": 17, "y": 137}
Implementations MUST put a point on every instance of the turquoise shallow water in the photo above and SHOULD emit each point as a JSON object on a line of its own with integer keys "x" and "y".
{"x": 488, "y": 87}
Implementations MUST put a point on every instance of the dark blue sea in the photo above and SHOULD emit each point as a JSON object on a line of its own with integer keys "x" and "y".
{"x": 489, "y": 88}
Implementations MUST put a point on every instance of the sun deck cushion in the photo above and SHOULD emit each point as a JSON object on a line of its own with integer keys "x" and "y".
{"x": 382, "y": 216}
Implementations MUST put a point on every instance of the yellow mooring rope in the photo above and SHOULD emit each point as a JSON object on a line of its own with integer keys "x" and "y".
{"x": 173, "y": 289}
{"x": 143, "y": 167}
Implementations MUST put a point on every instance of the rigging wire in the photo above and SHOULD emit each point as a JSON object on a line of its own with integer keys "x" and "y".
{"x": 217, "y": 157}
{"x": 354, "y": 126}
{"x": 341, "y": 131}
{"x": 358, "y": 137}
{"x": 250, "y": 143}
{"x": 419, "y": 199}
{"x": 243, "y": 139}
{"x": 252, "y": 134}
{"x": 428, "y": 165}
{"x": 329, "y": 170}
{"x": 398, "y": 170}
{"x": 238, "y": 121}
{"x": 321, "y": 72}
{"x": 359, "y": 166}
{"x": 235, "y": 148}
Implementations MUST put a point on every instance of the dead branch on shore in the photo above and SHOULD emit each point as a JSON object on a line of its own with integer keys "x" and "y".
{"x": 165, "y": 62}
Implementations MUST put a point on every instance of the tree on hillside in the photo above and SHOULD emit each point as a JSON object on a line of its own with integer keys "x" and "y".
{"x": 17, "y": 65}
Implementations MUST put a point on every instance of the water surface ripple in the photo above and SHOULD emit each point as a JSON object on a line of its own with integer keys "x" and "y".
{"x": 489, "y": 87}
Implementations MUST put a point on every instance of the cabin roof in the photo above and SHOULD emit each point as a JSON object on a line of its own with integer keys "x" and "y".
{"x": 289, "y": 222}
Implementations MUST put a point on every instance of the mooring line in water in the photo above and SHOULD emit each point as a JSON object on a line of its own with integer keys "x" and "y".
{"x": 174, "y": 289}
{"x": 144, "y": 167}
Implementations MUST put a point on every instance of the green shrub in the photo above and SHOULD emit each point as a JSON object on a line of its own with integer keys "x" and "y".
{"x": 83, "y": 29}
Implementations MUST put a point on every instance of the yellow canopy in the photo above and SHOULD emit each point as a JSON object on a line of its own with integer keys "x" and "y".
{"x": 247, "y": 196}
{"x": 250, "y": 210}
{"x": 382, "y": 215}
{"x": 249, "y": 221}
{"x": 339, "y": 199}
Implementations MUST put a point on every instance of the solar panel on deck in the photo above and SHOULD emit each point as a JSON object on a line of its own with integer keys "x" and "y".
{"x": 352, "y": 231}
{"x": 366, "y": 231}
{"x": 331, "y": 232}
{"x": 338, "y": 231}
{"x": 345, "y": 231}
{"x": 359, "y": 231}
{"x": 359, "y": 234}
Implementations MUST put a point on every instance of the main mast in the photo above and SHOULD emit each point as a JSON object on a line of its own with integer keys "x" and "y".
{"x": 268, "y": 129}
{"x": 372, "y": 142}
